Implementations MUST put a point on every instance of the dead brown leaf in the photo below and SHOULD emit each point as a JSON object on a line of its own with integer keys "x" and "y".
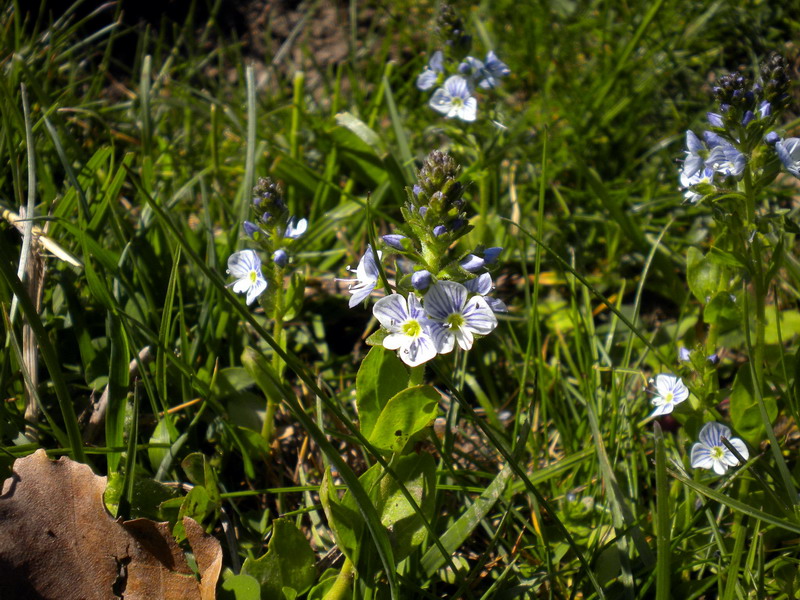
{"x": 57, "y": 541}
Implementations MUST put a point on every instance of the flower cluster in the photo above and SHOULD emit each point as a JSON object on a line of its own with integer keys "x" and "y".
{"x": 274, "y": 230}
{"x": 441, "y": 299}
{"x": 746, "y": 114}
{"x": 456, "y": 75}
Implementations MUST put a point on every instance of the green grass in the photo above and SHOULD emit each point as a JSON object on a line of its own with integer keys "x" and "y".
{"x": 549, "y": 480}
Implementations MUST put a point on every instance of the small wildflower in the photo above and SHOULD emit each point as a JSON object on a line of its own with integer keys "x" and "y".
{"x": 430, "y": 76}
{"x": 772, "y": 138}
{"x": 496, "y": 69}
{"x": 710, "y": 453}
{"x": 789, "y": 152}
{"x": 295, "y": 228}
{"x": 246, "y": 267}
{"x": 670, "y": 391}
{"x": 366, "y": 277}
{"x": 715, "y": 119}
{"x": 455, "y": 100}
{"x": 446, "y": 302}
{"x": 409, "y": 329}
{"x": 704, "y": 176}
{"x": 684, "y": 354}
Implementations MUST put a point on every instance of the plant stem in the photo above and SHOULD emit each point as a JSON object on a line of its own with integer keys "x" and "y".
{"x": 341, "y": 587}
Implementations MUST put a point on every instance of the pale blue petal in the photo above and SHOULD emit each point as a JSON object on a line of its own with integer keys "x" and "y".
{"x": 445, "y": 298}
{"x": 256, "y": 289}
{"x": 427, "y": 79}
{"x": 241, "y": 263}
{"x": 391, "y": 311}
{"x": 712, "y": 433}
{"x": 700, "y": 457}
{"x": 443, "y": 338}
{"x": 479, "y": 285}
{"x": 441, "y": 101}
{"x": 478, "y": 316}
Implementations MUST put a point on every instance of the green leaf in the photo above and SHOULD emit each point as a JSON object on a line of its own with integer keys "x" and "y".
{"x": 722, "y": 309}
{"x": 703, "y": 275}
{"x": 148, "y": 496}
{"x": 198, "y": 505}
{"x": 406, "y": 529}
{"x": 343, "y": 516}
{"x": 240, "y": 587}
{"x": 405, "y": 414}
{"x": 459, "y": 531}
{"x": 745, "y": 414}
{"x": 293, "y": 301}
{"x": 164, "y": 433}
{"x": 789, "y": 323}
{"x": 288, "y": 562}
{"x": 381, "y": 376}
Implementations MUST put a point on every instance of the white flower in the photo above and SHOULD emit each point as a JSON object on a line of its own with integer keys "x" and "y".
{"x": 446, "y": 302}
{"x": 409, "y": 329}
{"x": 671, "y": 391}
{"x": 711, "y": 453}
{"x": 246, "y": 267}
{"x": 455, "y": 100}
{"x": 295, "y": 228}
{"x": 366, "y": 277}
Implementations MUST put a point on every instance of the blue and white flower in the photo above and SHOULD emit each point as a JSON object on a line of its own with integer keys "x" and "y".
{"x": 367, "y": 274}
{"x": 484, "y": 74}
{"x": 711, "y": 453}
{"x": 430, "y": 76}
{"x": 704, "y": 176}
{"x": 447, "y": 302}
{"x": 246, "y": 267}
{"x": 482, "y": 285}
{"x": 671, "y": 391}
{"x": 724, "y": 158}
{"x": 789, "y": 152}
{"x": 455, "y": 99}
{"x": 408, "y": 326}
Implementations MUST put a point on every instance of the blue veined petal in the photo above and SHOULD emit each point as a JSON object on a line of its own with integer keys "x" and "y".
{"x": 496, "y": 304}
{"x": 256, "y": 289}
{"x": 445, "y": 298}
{"x": 463, "y": 337}
{"x": 700, "y": 457}
{"x": 360, "y": 291}
{"x": 436, "y": 63}
{"x": 496, "y": 66}
{"x": 419, "y": 351}
{"x": 241, "y": 263}
{"x": 415, "y": 310}
{"x": 391, "y": 311}
{"x": 712, "y": 433}
{"x": 443, "y": 338}
{"x": 480, "y": 285}
{"x": 478, "y": 316}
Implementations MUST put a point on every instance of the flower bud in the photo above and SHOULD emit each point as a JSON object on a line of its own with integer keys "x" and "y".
{"x": 280, "y": 258}
{"x": 421, "y": 280}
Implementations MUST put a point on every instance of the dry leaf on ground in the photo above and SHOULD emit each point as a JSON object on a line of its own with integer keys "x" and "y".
{"x": 57, "y": 541}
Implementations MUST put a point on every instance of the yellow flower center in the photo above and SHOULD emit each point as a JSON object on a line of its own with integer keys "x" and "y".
{"x": 411, "y": 328}
{"x": 455, "y": 321}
